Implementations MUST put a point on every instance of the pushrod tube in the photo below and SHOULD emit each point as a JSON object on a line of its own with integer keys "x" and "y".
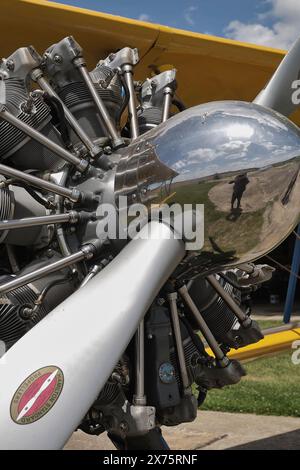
{"x": 128, "y": 77}
{"x": 80, "y": 164}
{"x": 243, "y": 318}
{"x": 139, "y": 397}
{"x": 86, "y": 252}
{"x": 69, "y": 217}
{"x": 59, "y": 229}
{"x": 85, "y": 336}
{"x": 172, "y": 297}
{"x": 168, "y": 95}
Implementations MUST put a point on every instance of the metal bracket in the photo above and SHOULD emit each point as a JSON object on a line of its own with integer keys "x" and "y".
{"x": 125, "y": 56}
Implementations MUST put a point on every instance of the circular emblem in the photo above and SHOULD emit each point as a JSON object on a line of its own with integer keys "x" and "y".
{"x": 36, "y": 395}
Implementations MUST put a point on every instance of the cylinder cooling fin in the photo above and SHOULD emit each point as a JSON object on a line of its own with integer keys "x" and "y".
{"x": 226, "y": 327}
{"x": 148, "y": 118}
{"x": 25, "y": 306}
{"x": 14, "y": 144}
{"x": 20, "y": 149}
{"x": 59, "y": 65}
{"x": 216, "y": 313}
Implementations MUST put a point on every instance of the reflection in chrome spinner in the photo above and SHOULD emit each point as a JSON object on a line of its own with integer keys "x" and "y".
{"x": 240, "y": 160}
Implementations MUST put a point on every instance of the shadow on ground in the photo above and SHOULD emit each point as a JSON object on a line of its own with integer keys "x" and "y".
{"x": 285, "y": 441}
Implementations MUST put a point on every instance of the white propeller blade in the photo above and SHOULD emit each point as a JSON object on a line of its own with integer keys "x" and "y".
{"x": 277, "y": 94}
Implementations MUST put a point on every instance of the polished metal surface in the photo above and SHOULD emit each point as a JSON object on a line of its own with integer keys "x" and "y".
{"x": 240, "y": 160}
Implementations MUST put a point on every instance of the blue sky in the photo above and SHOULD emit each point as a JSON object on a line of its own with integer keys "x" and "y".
{"x": 274, "y": 23}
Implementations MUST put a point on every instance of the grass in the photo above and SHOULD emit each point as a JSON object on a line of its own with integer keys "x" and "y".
{"x": 264, "y": 324}
{"x": 271, "y": 387}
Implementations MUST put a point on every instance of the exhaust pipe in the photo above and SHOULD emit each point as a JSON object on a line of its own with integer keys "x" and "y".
{"x": 59, "y": 367}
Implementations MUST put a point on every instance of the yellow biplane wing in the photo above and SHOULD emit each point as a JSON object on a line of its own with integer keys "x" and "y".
{"x": 209, "y": 68}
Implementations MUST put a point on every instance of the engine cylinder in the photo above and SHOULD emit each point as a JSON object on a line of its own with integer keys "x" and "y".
{"x": 216, "y": 313}
{"x": 25, "y": 306}
{"x": 148, "y": 118}
{"x": 15, "y": 146}
{"x": 17, "y": 203}
{"x": 69, "y": 85}
{"x": 77, "y": 98}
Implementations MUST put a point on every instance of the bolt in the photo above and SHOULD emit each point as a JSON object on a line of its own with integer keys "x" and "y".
{"x": 26, "y": 312}
{"x": 76, "y": 176}
{"x": 57, "y": 59}
{"x": 49, "y": 253}
{"x": 103, "y": 83}
{"x": 124, "y": 426}
{"x": 116, "y": 377}
{"x": 107, "y": 150}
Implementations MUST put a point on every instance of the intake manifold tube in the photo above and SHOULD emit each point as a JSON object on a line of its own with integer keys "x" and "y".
{"x": 84, "y": 337}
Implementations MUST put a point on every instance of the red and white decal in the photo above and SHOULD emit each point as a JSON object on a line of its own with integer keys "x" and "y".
{"x": 36, "y": 395}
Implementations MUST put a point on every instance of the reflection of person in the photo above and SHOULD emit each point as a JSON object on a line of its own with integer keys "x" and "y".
{"x": 286, "y": 197}
{"x": 239, "y": 185}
